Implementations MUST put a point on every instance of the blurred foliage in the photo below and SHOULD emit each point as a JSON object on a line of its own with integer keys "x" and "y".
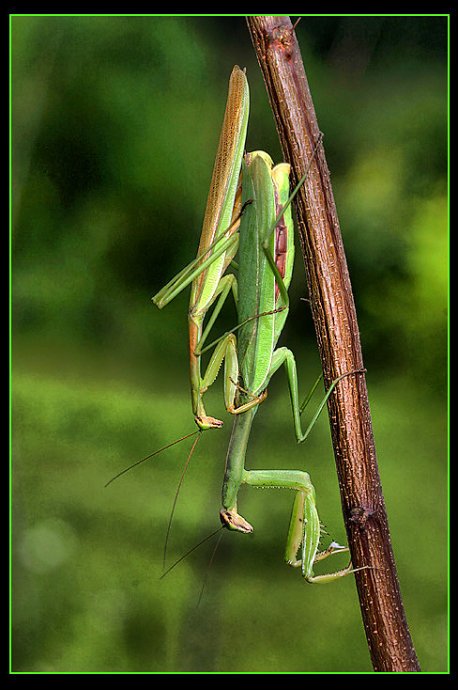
{"x": 115, "y": 126}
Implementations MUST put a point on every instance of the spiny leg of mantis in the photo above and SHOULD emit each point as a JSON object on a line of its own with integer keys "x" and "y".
{"x": 304, "y": 536}
{"x": 305, "y": 530}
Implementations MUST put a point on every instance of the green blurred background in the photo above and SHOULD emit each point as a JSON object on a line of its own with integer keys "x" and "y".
{"x": 115, "y": 127}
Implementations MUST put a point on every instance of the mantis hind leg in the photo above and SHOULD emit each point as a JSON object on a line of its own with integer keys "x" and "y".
{"x": 284, "y": 356}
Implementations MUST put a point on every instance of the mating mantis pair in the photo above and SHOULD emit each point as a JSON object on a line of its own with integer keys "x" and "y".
{"x": 248, "y": 214}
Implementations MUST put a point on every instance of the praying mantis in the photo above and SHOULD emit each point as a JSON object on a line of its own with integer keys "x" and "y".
{"x": 248, "y": 214}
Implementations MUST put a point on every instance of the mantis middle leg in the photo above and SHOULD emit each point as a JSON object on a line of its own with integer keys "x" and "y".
{"x": 284, "y": 356}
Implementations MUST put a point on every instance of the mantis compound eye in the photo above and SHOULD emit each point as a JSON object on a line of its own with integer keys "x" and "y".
{"x": 233, "y": 521}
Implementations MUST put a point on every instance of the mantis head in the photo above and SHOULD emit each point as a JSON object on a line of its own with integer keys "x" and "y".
{"x": 233, "y": 521}
{"x": 207, "y": 422}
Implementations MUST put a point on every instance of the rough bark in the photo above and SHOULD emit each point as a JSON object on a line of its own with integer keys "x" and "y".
{"x": 337, "y": 333}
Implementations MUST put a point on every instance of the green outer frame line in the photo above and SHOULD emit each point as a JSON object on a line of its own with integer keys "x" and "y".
{"x": 10, "y": 358}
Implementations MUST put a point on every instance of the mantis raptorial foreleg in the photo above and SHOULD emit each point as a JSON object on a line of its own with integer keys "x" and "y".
{"x": 304, "y": 536}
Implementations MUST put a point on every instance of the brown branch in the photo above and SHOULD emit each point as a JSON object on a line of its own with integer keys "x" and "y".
{"x": 336, "y": 326}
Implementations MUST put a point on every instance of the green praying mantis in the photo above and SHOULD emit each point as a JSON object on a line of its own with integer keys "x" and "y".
{"x": 248, "y": 214}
